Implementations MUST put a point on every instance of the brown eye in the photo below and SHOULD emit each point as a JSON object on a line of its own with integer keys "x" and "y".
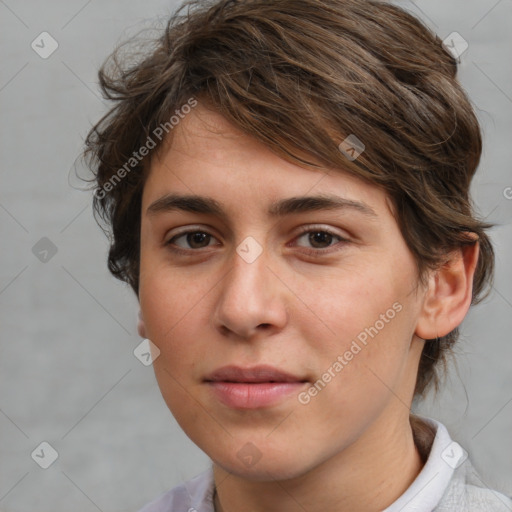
{"x": 191, "y": 240}
{"x": 316, "y": 241}
{"x": 198, "y": 239}
{"x": 320, "y": 239}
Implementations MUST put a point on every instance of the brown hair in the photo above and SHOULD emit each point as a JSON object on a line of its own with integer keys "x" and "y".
{"x": 301, "y": 76}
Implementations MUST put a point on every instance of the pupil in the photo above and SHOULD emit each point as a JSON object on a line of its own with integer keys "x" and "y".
{"x": 196, "y": 239}
{"x": 320, "y": 237}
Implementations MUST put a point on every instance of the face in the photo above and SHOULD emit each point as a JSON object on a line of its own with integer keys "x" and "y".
{"x": 285, "y": 325}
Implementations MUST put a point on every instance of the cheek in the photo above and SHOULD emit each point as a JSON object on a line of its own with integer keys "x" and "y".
{"x": 361, "y": 338}
{"x": 169, "y": 305}
{"x": 346, "y": 305}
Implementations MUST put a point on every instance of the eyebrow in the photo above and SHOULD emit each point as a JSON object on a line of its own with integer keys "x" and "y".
{"x": 292, "y": 205}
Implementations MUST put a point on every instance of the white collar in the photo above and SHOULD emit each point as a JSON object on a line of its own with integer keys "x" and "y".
{"x": 425, "y": 493}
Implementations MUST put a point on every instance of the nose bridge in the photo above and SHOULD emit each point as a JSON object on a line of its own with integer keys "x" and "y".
{"x": 248, "y": 275}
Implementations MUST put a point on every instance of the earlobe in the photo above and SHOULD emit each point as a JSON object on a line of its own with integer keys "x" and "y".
{"x": 141, "y": 328}
{"x": 449, "y": 293}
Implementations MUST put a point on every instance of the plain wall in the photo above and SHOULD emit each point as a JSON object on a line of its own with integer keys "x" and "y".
{"x": 68, "y": 328}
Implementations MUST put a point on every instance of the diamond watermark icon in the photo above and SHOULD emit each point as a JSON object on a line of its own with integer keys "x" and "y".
{"x": 44, "y": 455}
{"x": 44, "y": 250}
{"x": 352, "y": 147}
{"x": 44, "y": 45}
{"x": 249, "y": 250}
{"x": 455, "y": 44}
{"x": 454, "y": 455}
{"x": 146, "y": 352}
{"x": 249, "y": 454}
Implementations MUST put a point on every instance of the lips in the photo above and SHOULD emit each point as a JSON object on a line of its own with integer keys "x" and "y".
{"x": 251, "y": 388}
{"x": 256, "y": 374}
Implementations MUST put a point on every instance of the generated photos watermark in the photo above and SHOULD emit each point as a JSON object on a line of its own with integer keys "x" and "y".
{"x": 360, "y": 342}
{"x": 137, "y": 156}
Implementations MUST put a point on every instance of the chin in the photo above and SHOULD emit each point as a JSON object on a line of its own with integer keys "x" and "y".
{"x": 259, "y": 461}
{"x": 264, "y": 471}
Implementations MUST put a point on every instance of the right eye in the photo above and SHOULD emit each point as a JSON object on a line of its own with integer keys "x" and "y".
{"x": 190, "y": 241}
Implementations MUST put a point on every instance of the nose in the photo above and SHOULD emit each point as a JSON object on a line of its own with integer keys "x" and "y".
{"x": 252, "y": 299}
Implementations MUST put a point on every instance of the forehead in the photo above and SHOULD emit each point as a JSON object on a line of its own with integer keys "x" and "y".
{"x": 207, "y": 155}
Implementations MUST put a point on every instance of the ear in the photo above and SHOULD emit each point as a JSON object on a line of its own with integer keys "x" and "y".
{"x": 141, "y": 328}
{"x": 449, "y": 294}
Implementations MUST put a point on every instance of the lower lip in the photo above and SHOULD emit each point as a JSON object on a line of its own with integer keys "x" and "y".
{"x": 243, "y": 395}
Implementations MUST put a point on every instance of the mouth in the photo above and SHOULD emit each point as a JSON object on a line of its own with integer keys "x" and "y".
{"x": 252, "y": 388}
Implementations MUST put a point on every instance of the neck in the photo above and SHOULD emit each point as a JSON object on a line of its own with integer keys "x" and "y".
{"x": 367, "y": 476}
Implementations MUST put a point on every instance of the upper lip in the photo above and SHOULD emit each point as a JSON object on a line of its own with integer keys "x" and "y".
{"x": 260, "y": 373}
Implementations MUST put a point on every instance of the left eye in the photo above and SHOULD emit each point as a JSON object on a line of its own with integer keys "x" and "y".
{"x": 320, "y": 239}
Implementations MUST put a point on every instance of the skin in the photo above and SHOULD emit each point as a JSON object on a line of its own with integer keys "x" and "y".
{"x": 351, "y": 446}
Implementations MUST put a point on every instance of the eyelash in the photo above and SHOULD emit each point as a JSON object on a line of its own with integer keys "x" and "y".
{"x": 303, "y": 231}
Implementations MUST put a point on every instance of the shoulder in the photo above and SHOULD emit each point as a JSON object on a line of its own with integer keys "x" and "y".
{"x": 469, "y": 493}
{"x": 195, "y": 495}
{"x": 465, "y": 490}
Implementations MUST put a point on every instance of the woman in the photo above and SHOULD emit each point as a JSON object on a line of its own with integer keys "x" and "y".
{"x": 287, "y": 184}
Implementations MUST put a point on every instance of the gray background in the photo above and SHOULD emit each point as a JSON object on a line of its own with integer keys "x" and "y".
{"x": 68, "y": 373}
